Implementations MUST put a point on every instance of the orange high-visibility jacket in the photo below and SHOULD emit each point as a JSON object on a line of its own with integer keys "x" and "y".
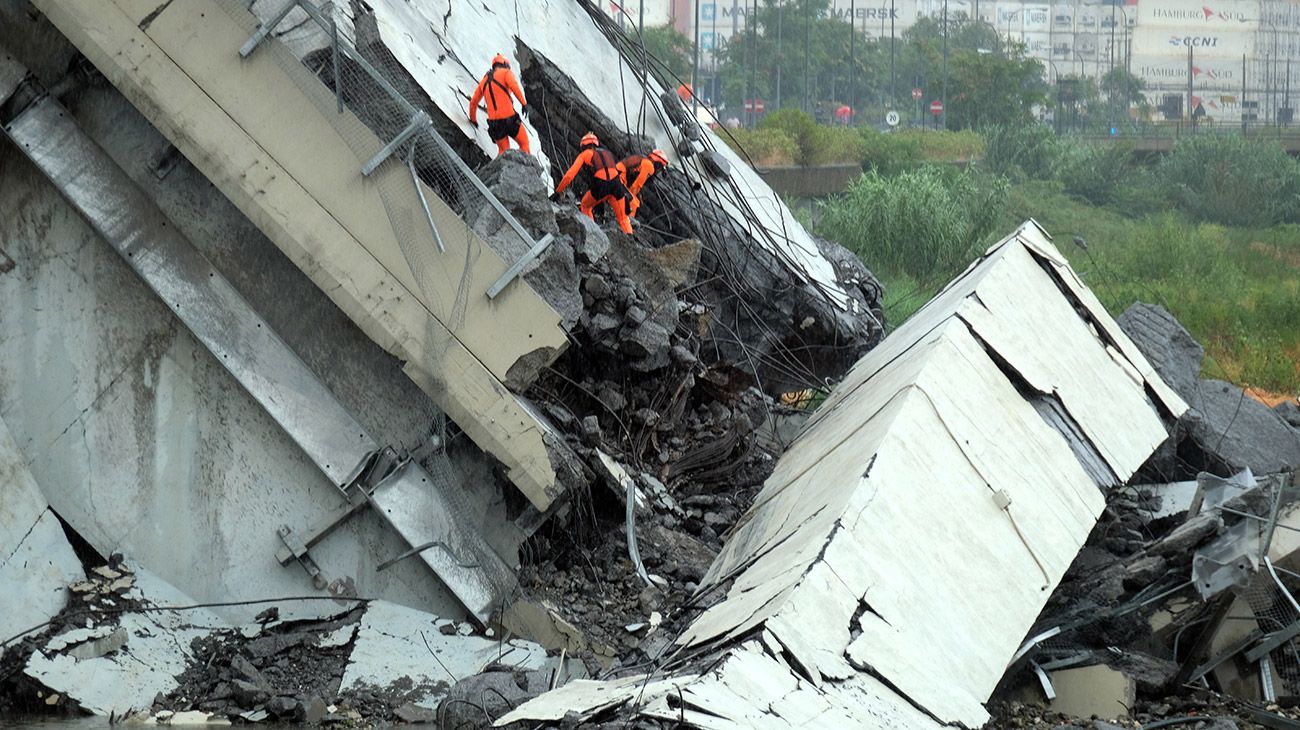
{"x": 496, "y": 87}
{"x": 636, "y": 173}
{"x": 602, "y": 164}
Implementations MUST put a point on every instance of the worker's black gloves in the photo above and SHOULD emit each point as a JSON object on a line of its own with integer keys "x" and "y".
{"x": 524, "y": 110}
{"x": 555, "y": 196}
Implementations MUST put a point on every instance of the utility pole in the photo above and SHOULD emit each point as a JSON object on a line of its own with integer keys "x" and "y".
{"x": 893, "y": 39}
{"x": 944, "y": 114}
{"x": 1191, "y": 113}
{"x": 807, "y": 51}
{"x": 1243, "y": 91}
{"x": 695, "y": 64}
{"x": 715, "y": 87}
{"x": 853, "y": 66}
{"x": 753, "y": 67}
{"x": 780, "y": 60}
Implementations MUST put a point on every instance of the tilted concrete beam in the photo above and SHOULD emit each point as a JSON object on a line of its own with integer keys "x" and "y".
{"x": 254, "y": 129}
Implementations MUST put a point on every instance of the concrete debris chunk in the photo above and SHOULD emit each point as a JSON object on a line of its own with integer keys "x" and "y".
{"x": 98, "y": 647}
{"x": 1231, "y": 429}
{"x": 1169, "y": 347}
{"x": 1096, "y": 691}
{"x": 106, "y": 680}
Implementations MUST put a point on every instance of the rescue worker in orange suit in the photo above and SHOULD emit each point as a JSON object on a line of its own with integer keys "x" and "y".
{"x": 637, "y": 171}
{"x": 503, "y": 122}
{"x": 606, "y": 177}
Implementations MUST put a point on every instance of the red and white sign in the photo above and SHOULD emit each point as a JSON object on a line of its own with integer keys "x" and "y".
{"x": 754, "y": 105}
{"x": 936, "y": 107}
{"x": 916, "y": 94}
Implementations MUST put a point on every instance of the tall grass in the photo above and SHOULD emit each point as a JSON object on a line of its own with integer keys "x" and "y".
{"x": 1232, "y": 180}
{"x": 925, "y": 223}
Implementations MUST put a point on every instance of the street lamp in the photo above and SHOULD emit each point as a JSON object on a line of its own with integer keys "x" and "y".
{"x": 1112, "y": 32}
{"x": 1011, "y": 15}
{"x": 1270, "y": 85}
{"x": 1056, "y": 96}
{"x": 944, "y": 114}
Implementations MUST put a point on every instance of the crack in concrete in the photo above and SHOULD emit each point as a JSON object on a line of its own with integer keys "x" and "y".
{"x": 94, "y": 402}
{"x": 26, "y": 535}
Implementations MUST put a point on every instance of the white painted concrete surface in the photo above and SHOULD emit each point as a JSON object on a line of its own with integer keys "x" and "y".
{"x": 157, "y": 650}
{"x": 36, "y": 561}
{"x": 136, "y": 435}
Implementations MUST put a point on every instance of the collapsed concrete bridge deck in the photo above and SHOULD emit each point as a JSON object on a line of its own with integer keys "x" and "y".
{"x": 330, "y": 265}
{"x": 973, "y": 448}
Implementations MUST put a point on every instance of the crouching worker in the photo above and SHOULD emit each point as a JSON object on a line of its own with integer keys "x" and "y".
{"x": 503, "y": 122}
{"x": 606, "y": 177}
{"x": 637, "y": 171}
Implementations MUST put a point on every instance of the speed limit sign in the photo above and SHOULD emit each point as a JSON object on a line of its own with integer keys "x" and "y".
{"x": 891, "y": 118}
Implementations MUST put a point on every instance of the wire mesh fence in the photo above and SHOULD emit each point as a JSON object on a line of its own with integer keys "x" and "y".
{"x": 352, "y": 79}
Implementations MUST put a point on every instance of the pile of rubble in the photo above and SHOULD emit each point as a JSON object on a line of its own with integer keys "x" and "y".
{"x": 1183, "y": 599}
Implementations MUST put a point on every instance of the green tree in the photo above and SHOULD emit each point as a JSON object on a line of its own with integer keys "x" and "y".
{"x": 675, "y": 50}
{"x": 1122, "y": 90}
{"x": 989, "y": 81}
{"x": 793, "y": 40}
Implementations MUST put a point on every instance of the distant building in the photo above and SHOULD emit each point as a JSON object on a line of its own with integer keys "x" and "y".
{"x": 1241, "y": 51}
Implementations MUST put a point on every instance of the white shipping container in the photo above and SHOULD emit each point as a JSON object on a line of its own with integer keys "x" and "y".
{"x": 869, "y": 14}
{"x": 1063, "y": 17}
{"x": 1207, "y": 43}
{"x": 1162, "y": 72}
{"x": 1038, "y": 45}
{"x": 1038, "y": 17}
{"x": 1204, "y": 14}
{"x": 658, "y": 13}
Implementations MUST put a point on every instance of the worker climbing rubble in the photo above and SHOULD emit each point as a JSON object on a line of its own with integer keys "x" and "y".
{"x": 637, "y": 171}
{"x": 503, "y": 121}
{"x": 606, "y": 181}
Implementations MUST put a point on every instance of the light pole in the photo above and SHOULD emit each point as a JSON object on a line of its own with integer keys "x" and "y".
{"x": 943, "y": 115}
{"x": 780, "y": 17}
{"x": 1270, "y": 73}
{"x": 893, "y": 76}
{"x": 1011, "y": 15}
{"x": 1056, "y": 98}
{"x": 753, "y": 68}
{"x": 807, "y": 49}
{"x": 695, "y": 63}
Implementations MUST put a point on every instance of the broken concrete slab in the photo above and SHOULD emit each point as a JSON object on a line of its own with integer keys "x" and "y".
{"x": 968, "y": 352}
{"x": 156, "y": 651}
{"x": 751, "y": 687}
{"x": 1289, "y": 411}
{"x": 99, "y": 646}
{"x": 1234, "y": 430}
{"x": 37, "y": 562}
{"x": 1096, "y": 691}
{"x": 399, "y": 646}
{"x": 1169, "y": 347}
{"x": 1239, "y": 431}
